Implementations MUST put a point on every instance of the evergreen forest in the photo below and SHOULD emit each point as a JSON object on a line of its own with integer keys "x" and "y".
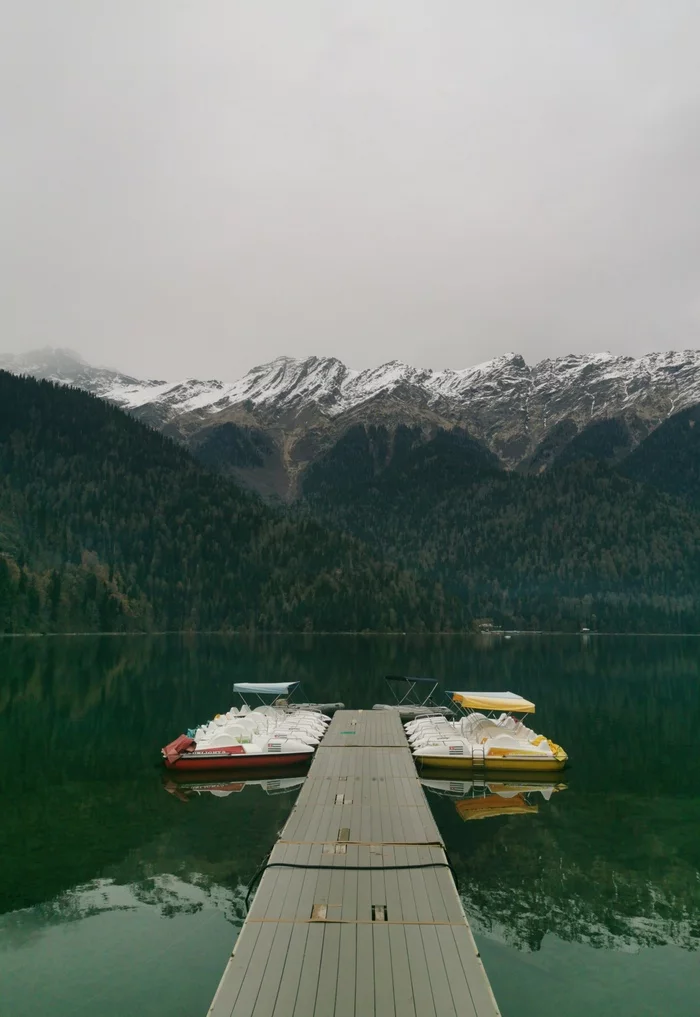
{"x": 580, "y": 545}
{"x": 107, "y": 525}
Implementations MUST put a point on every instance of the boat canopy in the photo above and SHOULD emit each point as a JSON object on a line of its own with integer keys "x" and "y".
{"x": 504, "y": 701}
{"x": 265, "y": 688}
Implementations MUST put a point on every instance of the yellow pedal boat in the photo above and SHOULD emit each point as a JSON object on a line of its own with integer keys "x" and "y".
{"x": 490, "y": 735}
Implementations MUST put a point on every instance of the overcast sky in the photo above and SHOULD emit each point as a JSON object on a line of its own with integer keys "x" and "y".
{"x": 191, "y": 187}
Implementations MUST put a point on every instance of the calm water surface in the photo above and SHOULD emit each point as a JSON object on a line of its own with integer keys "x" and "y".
{"x": 123, "y": 894}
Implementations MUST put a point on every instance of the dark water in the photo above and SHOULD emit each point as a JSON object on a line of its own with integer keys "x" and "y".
{"x": 118, "y": 896}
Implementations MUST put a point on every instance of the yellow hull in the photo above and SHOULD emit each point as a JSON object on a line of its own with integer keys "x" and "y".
{"x": 527, "y": 764}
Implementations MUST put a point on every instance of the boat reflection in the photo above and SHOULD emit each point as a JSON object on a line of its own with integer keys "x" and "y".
{"x": 186, "y": 786}
{"x": 478, "y": 799}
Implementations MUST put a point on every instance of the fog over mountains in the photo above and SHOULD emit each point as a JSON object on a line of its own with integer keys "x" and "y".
{"x": 269, "y": 425}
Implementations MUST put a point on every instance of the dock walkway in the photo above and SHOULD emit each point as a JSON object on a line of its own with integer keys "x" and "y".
{"x": 357, "y": 913}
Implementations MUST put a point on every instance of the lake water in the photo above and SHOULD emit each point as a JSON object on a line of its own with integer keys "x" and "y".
{"x": 123, "y": 894}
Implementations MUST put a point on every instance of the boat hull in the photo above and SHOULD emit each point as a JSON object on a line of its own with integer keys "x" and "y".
{"x": 525, "y": 764}
{"x": 194, "y": 761}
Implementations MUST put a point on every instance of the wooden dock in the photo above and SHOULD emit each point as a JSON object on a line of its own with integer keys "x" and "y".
{"x": 357, "y": 913}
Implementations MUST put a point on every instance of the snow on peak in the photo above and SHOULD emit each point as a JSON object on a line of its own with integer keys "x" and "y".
{"x": 287, "y": 382}
{"x": 502, "y": 393}
{"x": 372, "y": 382}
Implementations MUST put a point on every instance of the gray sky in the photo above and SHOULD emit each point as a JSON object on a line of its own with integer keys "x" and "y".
{"x": 191, "y": 187}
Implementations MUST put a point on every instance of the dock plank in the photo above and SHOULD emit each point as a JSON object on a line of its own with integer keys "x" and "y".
{"x": 291, "y": 973}
{"x": 310, "y": 970}
{"x": 328, "y": 975}
{"x": 364, "y": 972}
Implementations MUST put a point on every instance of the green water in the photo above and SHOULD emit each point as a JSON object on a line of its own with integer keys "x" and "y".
{"x": 121, "y": 896}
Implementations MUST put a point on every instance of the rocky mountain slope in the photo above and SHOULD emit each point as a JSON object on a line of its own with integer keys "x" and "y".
{"x": 267, "y": 427}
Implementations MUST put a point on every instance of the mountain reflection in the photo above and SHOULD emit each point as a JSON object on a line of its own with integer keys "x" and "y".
{"x": 90, "y": 821}
{"x": 616, "y": 871}
{"x": 169, "y": 895}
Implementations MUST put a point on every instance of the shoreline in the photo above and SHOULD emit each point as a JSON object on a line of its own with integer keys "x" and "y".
{"x": 509, "y": 633}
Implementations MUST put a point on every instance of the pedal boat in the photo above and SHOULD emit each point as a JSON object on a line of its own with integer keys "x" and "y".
{"x": 490, "y": 736}
{"x": 245, "y": 738}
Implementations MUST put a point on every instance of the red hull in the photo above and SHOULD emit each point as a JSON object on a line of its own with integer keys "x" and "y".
{"x": 244, "y": 761}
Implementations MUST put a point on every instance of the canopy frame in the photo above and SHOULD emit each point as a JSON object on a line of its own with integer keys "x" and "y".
{"x": 261, "y": 693}
{"x": 419, "y": 691}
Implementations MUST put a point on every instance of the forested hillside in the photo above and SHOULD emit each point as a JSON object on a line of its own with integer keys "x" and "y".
{"x": 107, "y": 525}
{"x": 578, "y": 545}
{"x": 669, "y": 458}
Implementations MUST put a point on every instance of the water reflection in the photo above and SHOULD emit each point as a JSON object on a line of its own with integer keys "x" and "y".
{"x": 480, "y": 799}
{"x": 186, "y": 787}
{"x": 95, "y": 840}
{"x": 616, "y": 870}
{"x": 169, "y": 895}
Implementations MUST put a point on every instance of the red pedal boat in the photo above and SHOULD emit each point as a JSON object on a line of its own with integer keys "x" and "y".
{"x": 183, "y": 754}
{"x": 245, "y": 738}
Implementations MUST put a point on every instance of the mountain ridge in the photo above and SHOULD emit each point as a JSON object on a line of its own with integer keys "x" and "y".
{"x": 300, "y": 407}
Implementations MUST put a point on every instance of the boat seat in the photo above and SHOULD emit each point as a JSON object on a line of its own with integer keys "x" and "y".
{"x": 232, "y": 735}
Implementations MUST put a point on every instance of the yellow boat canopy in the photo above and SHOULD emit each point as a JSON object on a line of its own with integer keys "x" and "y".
{"x": 506, "y": 702}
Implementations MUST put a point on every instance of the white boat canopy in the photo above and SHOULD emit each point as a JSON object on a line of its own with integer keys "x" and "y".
{"x": 265, "y": 688}
{"x": 504, "y": 701}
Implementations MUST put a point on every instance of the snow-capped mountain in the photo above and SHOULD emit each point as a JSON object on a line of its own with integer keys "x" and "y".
{"x": 510, "y": 406}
